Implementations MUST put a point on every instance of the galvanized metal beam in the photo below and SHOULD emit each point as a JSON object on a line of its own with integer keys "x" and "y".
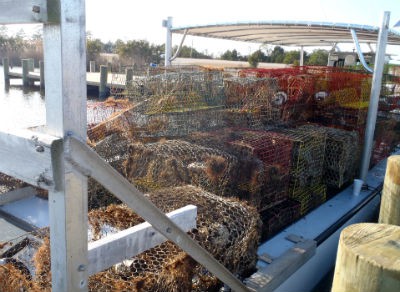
{"x": 359, "y": 51}
{"x": 16, "y": 195}
{"x": 168, "y": 43}
{"x": 29, "y": 11}
{"x": 65, "y": 79}
{"x": 91, "y": 164}
{"x": 269, "y": 278}
{"x": 130, "y": 242}
{"x": 27, "y": 155}
{"x": 374, "y": 97}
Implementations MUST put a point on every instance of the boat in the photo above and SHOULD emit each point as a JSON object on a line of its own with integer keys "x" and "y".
{"x": 57, "y": 158}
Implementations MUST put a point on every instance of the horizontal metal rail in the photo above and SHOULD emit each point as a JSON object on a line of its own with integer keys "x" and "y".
{"x": 346, "y": 217}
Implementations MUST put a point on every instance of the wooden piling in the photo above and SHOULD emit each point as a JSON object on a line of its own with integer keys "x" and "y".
{"x": 41, "y": 70}
{"x": 31, "y": 65}
{"x": 103, "y": 81}
{"x": 92, "y": 66}
{"x": 25, "y": 72}
{"x": 390, "y": 203}
{"x": 6, "y": 68}
{"x": 368, "y": 259}
{"x": 129, "y": 74}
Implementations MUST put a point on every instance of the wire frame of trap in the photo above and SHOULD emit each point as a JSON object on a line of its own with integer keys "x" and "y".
{"x": 307, "y": 166}
{"x": 274, "y": 150}
{"x": 278, "y": 217}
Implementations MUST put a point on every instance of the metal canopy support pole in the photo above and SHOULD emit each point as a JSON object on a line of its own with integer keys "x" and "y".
{"x": 301, "y": 56}
{"x": 359, "y": 52}
{"x": 65, "y": 73}
{"x": 168, "y": 43}
{"x": 375, "y": 92}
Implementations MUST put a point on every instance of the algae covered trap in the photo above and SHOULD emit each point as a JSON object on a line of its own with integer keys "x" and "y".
{"x": 242, "y": 153}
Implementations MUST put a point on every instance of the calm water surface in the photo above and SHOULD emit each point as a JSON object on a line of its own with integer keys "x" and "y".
{"x": 20, "y": 108}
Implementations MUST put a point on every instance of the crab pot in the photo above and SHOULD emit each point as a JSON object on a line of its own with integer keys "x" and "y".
{"x": 227, "y": 229}
{"x": 252, "y": 102}
{"x": 274, "y": 150}
{"x": 279, "y": 216}
{"x": 175, "y": 162}
{"x": 307, "y": 165}
{"x": 341, "y": 155}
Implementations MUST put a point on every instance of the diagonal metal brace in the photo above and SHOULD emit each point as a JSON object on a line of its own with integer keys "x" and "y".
{"x": 78, "y": 154}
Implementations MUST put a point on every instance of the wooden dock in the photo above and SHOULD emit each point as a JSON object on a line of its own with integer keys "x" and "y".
{"x": 103, "y": 79}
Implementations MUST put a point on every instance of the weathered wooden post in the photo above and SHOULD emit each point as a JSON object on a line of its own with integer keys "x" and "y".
{"x": 129, "y": 74}
{"x": 367, "y": 259}
{"x": 31, "y": 65}
{"x": 103, "y": 81}
{"x": 41, "y": 70}
{"x": 109, "y": 65}
{"x": 390, "y": 202}
{"x": 25, "y": 72}
{"x": 92, "y": 66}
{"x": 6, "y": 68}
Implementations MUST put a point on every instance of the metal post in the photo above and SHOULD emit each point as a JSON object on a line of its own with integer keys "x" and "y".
{"x": 168, "y": 43}
{"x": 25, "y": 72}
{"x": 301, "y": 56}
{"x": 129, "y": 74}
{"x": 374, "y": 98}
{"x": 65, "y": 73}
{"x": 6, "y": 68}
{"x": 92, "y": 66}
{"x": 103, "y": 81}
{"x": 41, "y": 70}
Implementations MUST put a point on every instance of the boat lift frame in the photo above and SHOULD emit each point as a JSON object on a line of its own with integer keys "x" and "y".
{"x": 58, "y": 159}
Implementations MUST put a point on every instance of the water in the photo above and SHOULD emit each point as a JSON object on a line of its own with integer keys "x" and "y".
{"x": 23, "y": 108}
{"x": 20, "y": 108}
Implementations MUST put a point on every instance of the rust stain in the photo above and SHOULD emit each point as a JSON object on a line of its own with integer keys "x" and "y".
{"x": 393, "y": 169}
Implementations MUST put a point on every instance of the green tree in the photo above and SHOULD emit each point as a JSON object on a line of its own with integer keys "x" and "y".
{"x": 93, "y": 48}
{"x": 189, "y": 52}
{"x": 292, "y": 57}
{"x": 318, "y": 57}
{"x": 230, "y": 55}
{"x": 255, "y": 58}
{"x": 277, "y": 55}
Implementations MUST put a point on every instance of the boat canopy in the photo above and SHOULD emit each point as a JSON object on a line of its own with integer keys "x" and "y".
{"x": 290, "y": 33}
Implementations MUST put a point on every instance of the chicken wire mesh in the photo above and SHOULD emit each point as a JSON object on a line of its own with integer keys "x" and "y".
{"x": 176, "y": 162}
{"x": 100, "y": 111}
{"x": 274, "y": 150}
{"x": 175, "y": 104}
{"x": 341, "y": 155}
{"x": 279, "y": 216}
{"x": 228, "y": 229}
{"x": 307, "y": 167}
{"x": 252, "y": 102}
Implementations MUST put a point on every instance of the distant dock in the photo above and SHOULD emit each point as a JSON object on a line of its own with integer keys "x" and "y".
{"x": 103, "y": 80}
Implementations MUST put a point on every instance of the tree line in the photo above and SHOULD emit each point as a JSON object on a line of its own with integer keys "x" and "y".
{"x": 141, "y": 53}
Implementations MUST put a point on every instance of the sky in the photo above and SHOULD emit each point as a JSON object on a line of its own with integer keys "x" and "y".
{"x": 130, "y": 19}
